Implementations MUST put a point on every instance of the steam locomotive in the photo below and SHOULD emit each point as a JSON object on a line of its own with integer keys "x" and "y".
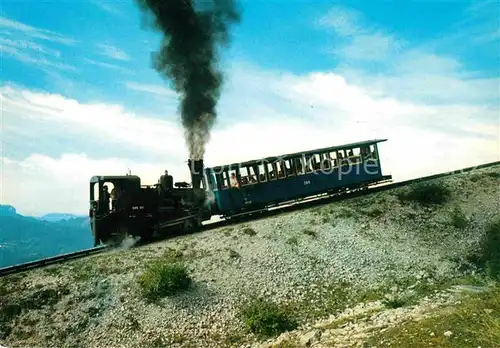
{"x": 231, "y": 190}
{"x": 146, "y": 211}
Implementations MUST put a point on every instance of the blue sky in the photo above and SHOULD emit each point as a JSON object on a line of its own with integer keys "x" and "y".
{"x": 79, "y": 95}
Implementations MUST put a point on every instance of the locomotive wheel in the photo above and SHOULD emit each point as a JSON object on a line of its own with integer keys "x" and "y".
{"x": 191, "y": 225}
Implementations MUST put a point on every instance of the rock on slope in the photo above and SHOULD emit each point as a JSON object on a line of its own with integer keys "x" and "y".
{"x": 316, "y": 262}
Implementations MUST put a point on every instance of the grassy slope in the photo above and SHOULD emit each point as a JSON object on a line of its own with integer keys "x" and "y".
{"x": 473, "y": 322}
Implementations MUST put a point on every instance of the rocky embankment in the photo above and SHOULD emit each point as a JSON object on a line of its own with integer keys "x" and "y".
{"x": 334, "y": 276}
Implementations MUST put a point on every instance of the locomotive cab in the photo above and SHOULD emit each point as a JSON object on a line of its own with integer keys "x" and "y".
{"x": 101, "y": 189}
{"x": 111, "y": 199}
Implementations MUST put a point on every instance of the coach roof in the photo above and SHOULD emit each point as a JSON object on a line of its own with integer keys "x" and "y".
{"x": 298, "y": 154}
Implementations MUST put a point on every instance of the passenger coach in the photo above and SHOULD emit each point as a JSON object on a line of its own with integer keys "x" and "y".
{"x": 259, "y": 184}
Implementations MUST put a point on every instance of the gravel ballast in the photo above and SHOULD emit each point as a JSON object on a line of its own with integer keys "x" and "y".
{"x": 304, "y": 260}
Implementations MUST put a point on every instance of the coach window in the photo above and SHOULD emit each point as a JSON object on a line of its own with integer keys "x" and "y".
{"x": 307, "y": 163}
{"x": 96, "y": 192}
{"x": 316, "y": 162}
{"x": 225, "y": 183}
{"x": 271, "y": 169}
{"x": 289, "y": 168}
{"x": 252, "y": 174}
{"x": 244, "y": 176}
{"x": 341, "y": 158}
{"x": 278, "y": 169}
{"x": 312, "y": 162}
{"x": 373, "y": 152}
{"x": 365, "y": 153}
{"x": 325, "y": 161}
{"x": 356, "y": 155}
{"x": 281, "y": 169}
{"x": 365, "y": 150}
{"x": 332, "y": 156}
{"x": 299, "y": 165}
{"x": 262, "y": 173}
{"x": 234, "y": 172}
{"x": 349, "y": 154}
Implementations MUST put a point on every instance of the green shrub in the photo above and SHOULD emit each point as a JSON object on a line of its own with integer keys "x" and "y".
{"x": 458, "y": 219}
{"x": 309, "y": 232}
{"x": 373, "y": 212}
{"x": 266, "y": 318}
{"x": 489, "y": 256}
{"x": 162, "y": 279}
{"x": 249, "y": 231}
{"x": 234, "y": 254}
{"x": 395, "y": 302}
{"x": 424, "y": 193}
{"x": 293, "y": 240}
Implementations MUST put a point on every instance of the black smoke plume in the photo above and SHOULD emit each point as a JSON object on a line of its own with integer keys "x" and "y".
{"x": 192, "y": 32}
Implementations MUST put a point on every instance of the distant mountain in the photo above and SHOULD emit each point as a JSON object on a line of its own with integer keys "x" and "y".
{"x": 7, "y": 210}
{"x": 52, "y": 217}
{"x": 24, "y": 238}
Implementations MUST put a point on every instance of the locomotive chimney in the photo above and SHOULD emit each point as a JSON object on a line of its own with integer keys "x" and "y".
{"x": 196, "y": 168}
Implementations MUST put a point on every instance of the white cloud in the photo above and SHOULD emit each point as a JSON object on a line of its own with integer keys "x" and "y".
{"x": 358, "y": 41}
{"x": 411, "y": 72}
{"x": 97, "y": 121}
{"x": 107, "y": 66}
{"x": 152, "y": 89}
{"x": 480, "y": 24}
{"x": 369, "y": 47}
{"x": 107, "y": 7}
{"x": 344, "y": 21}
{"x": 13, "y": 27}
{"x": 25, "y": 44}
{"x": 39, "y": 60}
{"x": 112, "y": 52}
{"x": 30, "y": 45}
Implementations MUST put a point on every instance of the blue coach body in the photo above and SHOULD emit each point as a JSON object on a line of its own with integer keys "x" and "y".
{"x": 257, "y": 184}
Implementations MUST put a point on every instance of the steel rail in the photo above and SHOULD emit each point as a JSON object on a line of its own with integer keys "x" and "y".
{"x": 254, "y": 215}
{"x": 50, "y": 260}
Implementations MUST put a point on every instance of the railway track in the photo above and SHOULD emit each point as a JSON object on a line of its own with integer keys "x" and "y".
{"x": 50, "y": 260}
{"x": 255, "y": 215}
